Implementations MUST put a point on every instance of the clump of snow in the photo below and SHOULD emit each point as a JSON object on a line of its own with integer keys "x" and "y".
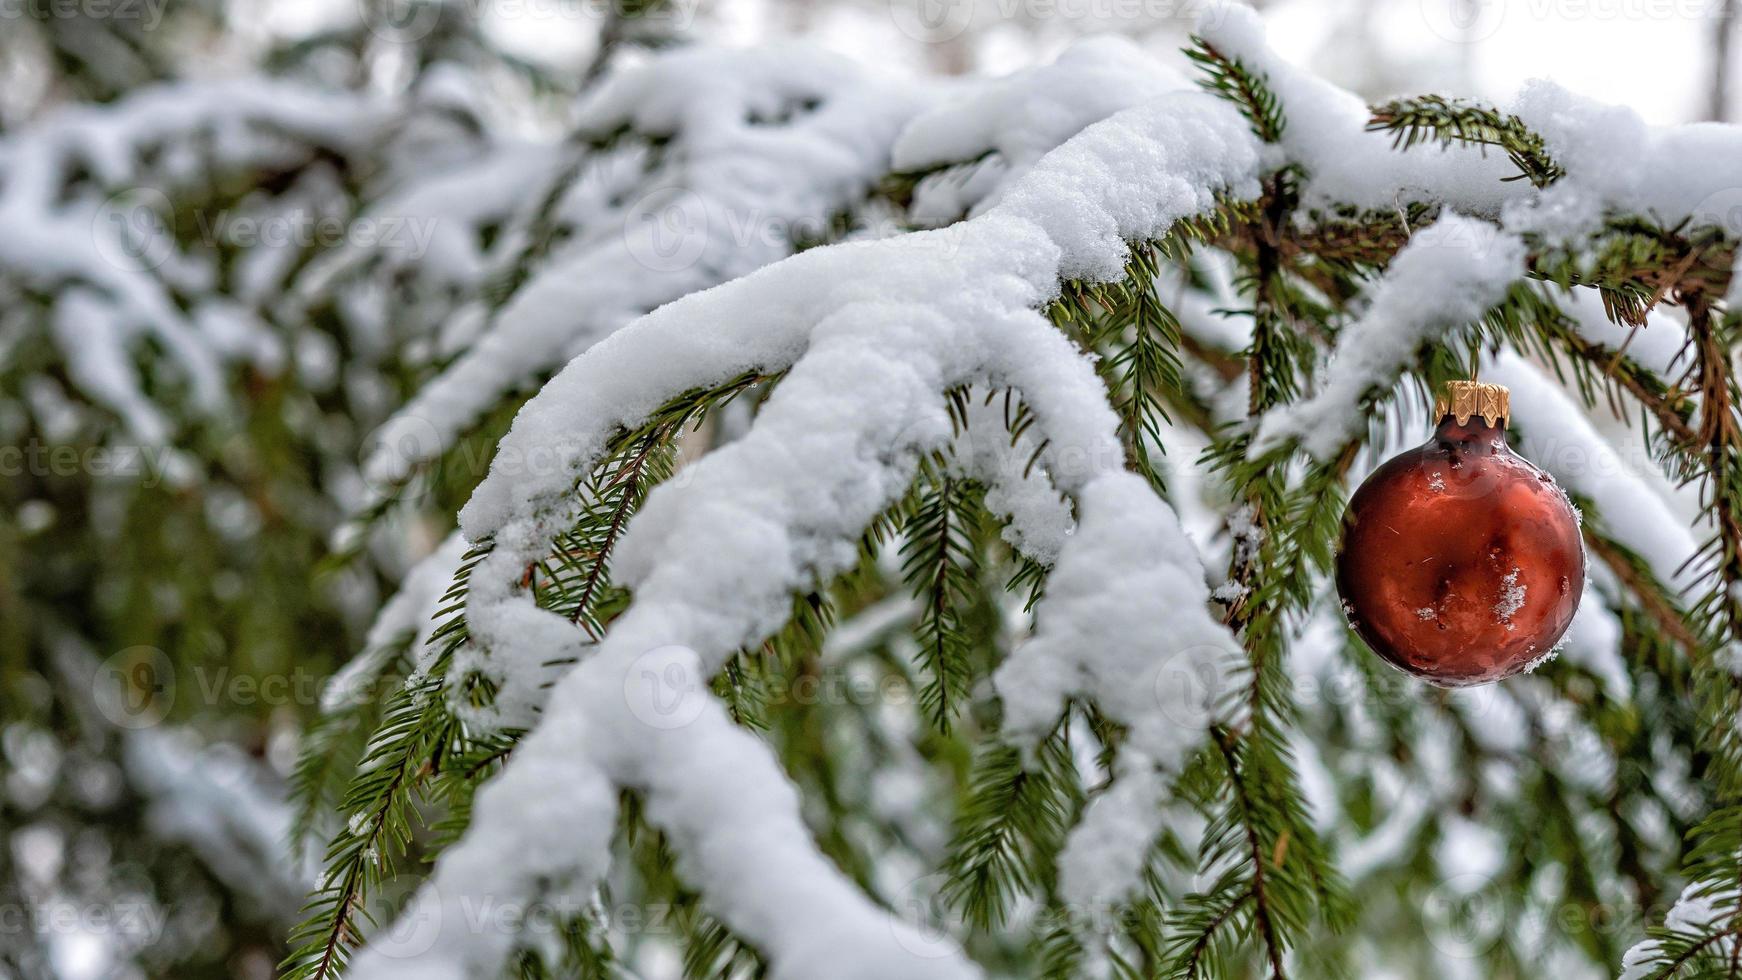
{"x": 1013, "y": 121}
{"x": 1229, "y": 592}
{"x": 1037, "y": 517}
{"x": 1448, "y": 275}
{"x": 1670, "y": 173}
{"x": 1544, "y": 657}
{"x": 1124, "y": 622}
{"x": 1247, "y": 536}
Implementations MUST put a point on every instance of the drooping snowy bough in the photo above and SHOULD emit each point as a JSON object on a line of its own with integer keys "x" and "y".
{"x": 618, "y": 611}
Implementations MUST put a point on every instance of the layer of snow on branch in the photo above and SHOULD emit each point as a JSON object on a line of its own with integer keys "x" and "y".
{"x": 1448, "y": 275}
{"x": 1326, "y": 133}
{"x": 1615, "y": 163}
{"x": 1003, "y": 126}
{"x": 766, "y": 147}
{"x": 875, "y": 333}
{"x": 1695, "y": 915}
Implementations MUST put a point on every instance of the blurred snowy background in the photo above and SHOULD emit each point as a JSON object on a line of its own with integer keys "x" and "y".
{"x": 144, "y": 838}
{"x": 1664, "y": 58}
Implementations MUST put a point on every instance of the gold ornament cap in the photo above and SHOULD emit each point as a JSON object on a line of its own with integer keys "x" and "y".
{"x": 1464, "y": 399}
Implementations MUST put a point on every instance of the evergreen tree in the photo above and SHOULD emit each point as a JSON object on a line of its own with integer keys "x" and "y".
{"x": 921, "y": 566}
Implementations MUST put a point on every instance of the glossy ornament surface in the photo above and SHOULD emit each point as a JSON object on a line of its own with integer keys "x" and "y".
{"x": 1461, "y": 562}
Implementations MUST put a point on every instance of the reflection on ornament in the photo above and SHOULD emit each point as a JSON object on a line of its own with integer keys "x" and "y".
{"x": 1461, "y": 562}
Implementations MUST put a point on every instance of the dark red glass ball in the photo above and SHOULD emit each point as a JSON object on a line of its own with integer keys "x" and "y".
{"x": 1461, "y": 562}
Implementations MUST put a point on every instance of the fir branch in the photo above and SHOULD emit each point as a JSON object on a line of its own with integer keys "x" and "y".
{"x": 1236, "y": 81}
{"x": 1274, "y": 551}
{"x": 1010, "y": 828}
{"x": 1432, "y": 118}
{"x": 1200, "y": 934}
{"x": 330, "y": 750}
{"x": 1714, "y": 862}
{"x": 1719, "y": 439}
{"x": 1633, "y": 261}
{"x": 1258, "y": 856}
{"x": 1139, "y": 336}
{"x": 577, "y": 576}
{"x": 415, "y": 727}
{"x": 940, "y": 562}
{"x": 1715, "y": 866}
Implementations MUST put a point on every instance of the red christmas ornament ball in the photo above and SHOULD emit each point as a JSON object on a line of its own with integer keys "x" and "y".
{"x": 1461, "y": 562}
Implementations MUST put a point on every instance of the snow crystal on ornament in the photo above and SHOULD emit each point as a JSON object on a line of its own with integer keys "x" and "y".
{"x": 1511, "y": 597}
{"x": 1547, "y": 655}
